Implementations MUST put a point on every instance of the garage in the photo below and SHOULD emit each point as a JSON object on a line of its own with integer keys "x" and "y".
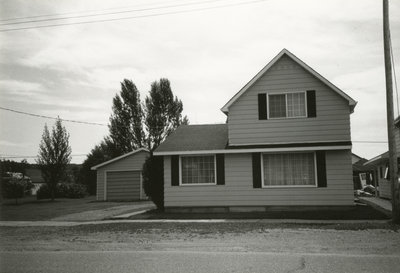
{"x": 120, "y": 179}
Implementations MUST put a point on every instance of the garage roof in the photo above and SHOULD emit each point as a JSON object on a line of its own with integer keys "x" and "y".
{"x": 119, "y": 158}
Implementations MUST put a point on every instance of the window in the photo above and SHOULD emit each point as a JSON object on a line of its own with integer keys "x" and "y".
{"x": 198, "y": 170}
{"x": 289, "y": 169}
{"x": 289, "y": 105}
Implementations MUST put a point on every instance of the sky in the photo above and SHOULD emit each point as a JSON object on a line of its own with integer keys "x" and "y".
{"x": 208, "y": 49}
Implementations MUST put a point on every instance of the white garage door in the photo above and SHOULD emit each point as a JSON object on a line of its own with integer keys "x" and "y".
{"x": 123, "y": 185}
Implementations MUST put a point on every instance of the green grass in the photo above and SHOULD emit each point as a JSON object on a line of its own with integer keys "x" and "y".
{"x": 30, "y": 209}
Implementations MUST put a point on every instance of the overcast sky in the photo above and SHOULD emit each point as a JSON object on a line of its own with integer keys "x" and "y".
{"x": 74, "y": 71}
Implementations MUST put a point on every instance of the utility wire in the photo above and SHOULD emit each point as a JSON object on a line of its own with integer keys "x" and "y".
{"x": 134, "y": 17}
{"x": 83, "y": 11}
{"x": 68, "y": 120}
{"x": 111, "y": 13}
{"x": 33, "y": 156}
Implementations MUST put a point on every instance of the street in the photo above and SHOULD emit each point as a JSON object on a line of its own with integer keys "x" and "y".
{"x": 200, "y": 247}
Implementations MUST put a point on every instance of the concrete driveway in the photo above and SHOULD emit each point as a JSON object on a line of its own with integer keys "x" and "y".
{"x": 107, "y": 213}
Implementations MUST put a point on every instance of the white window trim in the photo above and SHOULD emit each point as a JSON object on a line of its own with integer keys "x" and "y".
{"x": 289, "y": 186}
{"x": 285, "y": 93}
{"x": 197, "y": 184}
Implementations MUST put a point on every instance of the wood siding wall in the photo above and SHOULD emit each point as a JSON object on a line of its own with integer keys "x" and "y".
{"x": 238, "y": 189}
{"x": 133, "y": 162}
{"x": 333, "y": 114}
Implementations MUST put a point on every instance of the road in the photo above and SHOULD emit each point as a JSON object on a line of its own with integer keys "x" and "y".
{"x": 190, "y": 247}
{"x": 193, "y": 261}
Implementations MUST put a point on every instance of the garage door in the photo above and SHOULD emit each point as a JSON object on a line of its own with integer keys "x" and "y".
{"x": 123, "y": 185}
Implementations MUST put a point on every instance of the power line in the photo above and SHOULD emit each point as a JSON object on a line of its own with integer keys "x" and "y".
{"x": 34, "y": 156}
{"x": 134, "y": 17}
{"x": 47, "y": 117}
{"x": 82, "y": 11}
{"x": 111, "y": 13}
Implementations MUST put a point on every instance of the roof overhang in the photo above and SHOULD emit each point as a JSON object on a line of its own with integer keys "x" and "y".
{"x": 352, "y": 102}
{"x": 377, "y": 160}
{"x": 254, "y": 150}
{"x": 118, "y": 158}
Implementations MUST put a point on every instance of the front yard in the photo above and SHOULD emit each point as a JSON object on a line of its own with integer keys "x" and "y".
{"x": 30, "y": 209}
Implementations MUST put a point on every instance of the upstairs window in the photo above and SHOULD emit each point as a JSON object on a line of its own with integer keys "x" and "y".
{"x": 288, "y": 105}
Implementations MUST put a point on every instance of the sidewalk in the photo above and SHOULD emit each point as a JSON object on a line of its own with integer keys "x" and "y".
{"x": 264, "y": 221}
{"x": 383, "y": 205}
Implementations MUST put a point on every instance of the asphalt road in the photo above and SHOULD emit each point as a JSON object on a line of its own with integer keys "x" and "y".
{"x": 193, "y": 261}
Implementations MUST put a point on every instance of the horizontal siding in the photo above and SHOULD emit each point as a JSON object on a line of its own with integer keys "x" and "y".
{"x": 123, "y": 185}
{"x": 333, "y": 112}
{"x": 238, "y": 189}
{"x": 133, "y": 162}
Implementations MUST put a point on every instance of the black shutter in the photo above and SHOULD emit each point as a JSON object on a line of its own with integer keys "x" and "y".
{"x": 175, "y": 170}
{"x": 311, "y": 104}
{"x": 321, "y": 169}
{"x": 256, "y": 170}
{"x": 262, "y": 106}
{"x": 220, "y": 169}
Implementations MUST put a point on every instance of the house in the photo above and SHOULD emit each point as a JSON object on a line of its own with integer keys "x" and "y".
{"x": 121, "y": 178}
{"x": 380, "y": 166}
{"x": 35, "y": 175}
{"x": 362, "y": 175}
{"x": 286, "y": 143}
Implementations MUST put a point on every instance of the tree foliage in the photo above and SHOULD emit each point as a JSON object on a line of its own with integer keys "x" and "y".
{"x": 54, "y": 155}
{"x": 153, "y": 180}
{"x": 126, "y": 121}
{"x": 163, "y": 113}
{"x": 15, "y": 186}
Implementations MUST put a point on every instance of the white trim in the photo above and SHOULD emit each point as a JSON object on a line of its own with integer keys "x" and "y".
{"x": 225, "y": 108}
{"x": 263, "y": 186}
{"x": 286, "y": 104}
{"x": 197, "y": 184}
{"x": 111, "y": 171}
{"x": 118, "y": 158}
{"x": 141, "y": 187}
{"x": 373, "y": 159}
{"x": 275, "y": 143}
{"x": 254, "y": 150}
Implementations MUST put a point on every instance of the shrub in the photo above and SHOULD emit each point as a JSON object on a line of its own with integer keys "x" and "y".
{"x": 153, "y": 180}
{"x": 63, "y": 190}
{"x": 16, "y": 186}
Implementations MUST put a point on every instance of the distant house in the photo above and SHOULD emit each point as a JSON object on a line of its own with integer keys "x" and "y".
{"x": 36, "y": 177}
{"x": 121, "y": 178}
{"x": 286, "y": 143}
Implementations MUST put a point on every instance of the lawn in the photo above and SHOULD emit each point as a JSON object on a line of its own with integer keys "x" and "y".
{"x": 30, "y": 209}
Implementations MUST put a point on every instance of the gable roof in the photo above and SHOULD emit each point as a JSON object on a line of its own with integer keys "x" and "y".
{"x": 382, "y": 158}
{"x": 352, "y": 103}
{"x": 196, "y": 138}
{"x": 119, "y": 158}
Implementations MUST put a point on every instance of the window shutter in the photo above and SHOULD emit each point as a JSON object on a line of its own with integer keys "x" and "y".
{"x": 175, "y": 170}
{"x": 220, "y": 169}
{"x": 256, "y": 170}
{"x": 321, "y": 169}
{"x": 311, "y": 104}
{"x": 262, "y": 106}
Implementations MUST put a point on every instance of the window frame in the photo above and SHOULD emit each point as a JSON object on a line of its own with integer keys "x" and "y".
{"x": 286, "y": 103}
{"x": 197, "y": 184}
{"x": 290, "y": 186}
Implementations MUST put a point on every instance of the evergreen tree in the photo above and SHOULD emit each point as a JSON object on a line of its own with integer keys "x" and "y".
{"x": 163, "y": 113}
{"x": 126, "y": 121}
{"x": 54, "y": 155}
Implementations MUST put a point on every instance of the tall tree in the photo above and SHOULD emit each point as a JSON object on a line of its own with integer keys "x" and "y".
{"x": 126, "y": 121}
{"x": 163, "y": 113}
{"x": 54, "y": 155}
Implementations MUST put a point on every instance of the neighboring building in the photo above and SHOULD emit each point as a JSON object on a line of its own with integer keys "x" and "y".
{"x": 362, "y": 175}
{"x": 35, "y": 174}
{"x": 380, "y": 166}
{"x": 286, "y": 143}
{"x": 121, "y": 178}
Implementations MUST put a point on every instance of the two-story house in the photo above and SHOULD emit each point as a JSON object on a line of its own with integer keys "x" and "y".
{"x": 286, "y": 143}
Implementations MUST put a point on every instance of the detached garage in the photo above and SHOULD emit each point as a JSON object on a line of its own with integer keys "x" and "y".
{"x": 121, "y": 178}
